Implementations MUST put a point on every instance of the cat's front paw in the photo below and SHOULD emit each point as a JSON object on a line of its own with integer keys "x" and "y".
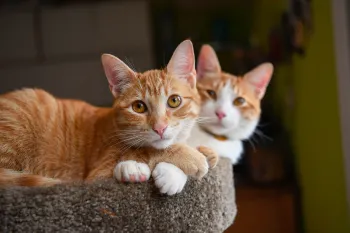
{"x": 131, "y": 171}
{"x": 211, "y": 155}
{"x": 169, "y": 178}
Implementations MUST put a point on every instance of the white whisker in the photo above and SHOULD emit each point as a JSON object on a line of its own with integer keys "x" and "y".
{"x": 138, "y": 141}
{"x": 262, "y": 135}
{"x": 252, "y": 144}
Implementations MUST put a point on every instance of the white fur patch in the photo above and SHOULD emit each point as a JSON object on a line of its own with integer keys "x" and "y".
{"x": 231, "y": 149}
{"x": 169, "y": 178}
{"x": 131, "y": 171}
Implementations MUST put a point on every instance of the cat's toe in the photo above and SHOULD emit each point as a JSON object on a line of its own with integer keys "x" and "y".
{"x": 169, "y": 178}
{"x": 144, "y": 172}
{"x": 132, "y": 171}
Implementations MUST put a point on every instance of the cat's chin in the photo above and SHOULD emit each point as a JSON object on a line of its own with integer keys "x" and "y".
{"x": 217, "y": 129}
{"x": 243, "y": 131}
{"x": 162, "y": 143}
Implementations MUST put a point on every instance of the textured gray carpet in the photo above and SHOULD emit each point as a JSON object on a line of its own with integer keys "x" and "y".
{"x": 107, "y": 206}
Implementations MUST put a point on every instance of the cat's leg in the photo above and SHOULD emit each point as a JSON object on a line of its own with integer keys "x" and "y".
{"x": 169, "y": 167}
{"x": 123, "y": 171}
{"x": 189, "y": 160}
{"x": 132, "y": 171}
{"x": 132, "y": 166}
{"x": 177, "y": 162}
{"x": 198, "y": 139}
{"x": 211, "y": 155}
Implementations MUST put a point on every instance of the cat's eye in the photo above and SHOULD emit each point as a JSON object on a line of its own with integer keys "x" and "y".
{"x": 212, "y": 94}
{"x": 239, "y": 101}
{"x": 174, "y": 101}
{"x": 139, "y": 106}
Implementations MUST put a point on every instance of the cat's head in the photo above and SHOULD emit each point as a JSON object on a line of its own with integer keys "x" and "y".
{"x": 156, "y": 108}
{"x": 230, "y": 104}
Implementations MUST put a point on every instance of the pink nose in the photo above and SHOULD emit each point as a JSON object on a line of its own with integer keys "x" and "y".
{"x": 159, "y": 129}
{"x": 220, "y": 114}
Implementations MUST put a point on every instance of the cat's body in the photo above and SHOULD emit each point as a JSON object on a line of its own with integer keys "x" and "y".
{"x": 45, "y": 140}
{"x": 63, "y": 138}
{"x": 230, "y": 109}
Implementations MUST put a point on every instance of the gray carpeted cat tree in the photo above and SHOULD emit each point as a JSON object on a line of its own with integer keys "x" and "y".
{"x": 108, "y": 206}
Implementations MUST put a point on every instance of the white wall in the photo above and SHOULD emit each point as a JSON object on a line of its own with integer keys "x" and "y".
{"x": 73, "y": 39}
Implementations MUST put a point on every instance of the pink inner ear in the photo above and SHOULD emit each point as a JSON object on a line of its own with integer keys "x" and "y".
{"x": 189, "y": 67}
{"x": 182, "y": 61}
{"x": 208, "y": 61}
{"x": 261, "y": 84}
{"x": 117, "y": 73}
{"x": 259, "y": 78}
{"x": 181, "y": 64}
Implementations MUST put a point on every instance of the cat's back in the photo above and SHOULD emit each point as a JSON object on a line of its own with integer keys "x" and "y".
{"x": 35, "y": 118}
{"x": 25, "y": 103}
{"x": 24, "y": 97}
{"x": 33, "y": 106}
{"x": 36, "y": 126}
{"x": 21, "y": 111}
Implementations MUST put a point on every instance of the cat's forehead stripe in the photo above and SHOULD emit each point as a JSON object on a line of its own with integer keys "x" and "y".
{"x": 223, "y": 81}
{"x": 157, "y": 83}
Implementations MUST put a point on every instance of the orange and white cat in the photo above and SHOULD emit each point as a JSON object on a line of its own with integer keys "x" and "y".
{"x": 45, "y": 140}
{"x": 230, "y": 109}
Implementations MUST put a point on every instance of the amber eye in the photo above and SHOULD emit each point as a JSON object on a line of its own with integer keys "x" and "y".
{"x": 239, "y": 101}
{"x": 212, "y": 94}
{"x": 174, "y": 101}
{"x": 139, "y": 106}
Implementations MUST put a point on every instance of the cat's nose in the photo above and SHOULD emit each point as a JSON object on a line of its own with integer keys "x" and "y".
{"x": 220, "y": 114}
{"x": 159, "y": 129}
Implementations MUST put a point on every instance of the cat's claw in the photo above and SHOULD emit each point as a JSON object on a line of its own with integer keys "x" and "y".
{"x": 131, "y": 171}
{"x": 169, "y": 178}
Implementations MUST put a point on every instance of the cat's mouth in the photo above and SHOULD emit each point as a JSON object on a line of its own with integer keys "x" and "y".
{"x": 162, "y": 143}
{"x": 219, "y": 124}
{"x": 162, "y": 139}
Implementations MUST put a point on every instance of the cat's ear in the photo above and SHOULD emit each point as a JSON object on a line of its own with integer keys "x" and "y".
{"x": 208, "y": 62}
{"x": 182, "y": 63}
{"x": 119, "y": 75}
{"x": 259, "y": 78}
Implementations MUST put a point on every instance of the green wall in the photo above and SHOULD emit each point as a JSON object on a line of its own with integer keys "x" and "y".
{"x": 316, "y": 133}
{"x": 313, "y": 119}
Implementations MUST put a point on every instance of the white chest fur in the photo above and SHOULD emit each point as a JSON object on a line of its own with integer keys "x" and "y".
{"x": 231, "y": 149}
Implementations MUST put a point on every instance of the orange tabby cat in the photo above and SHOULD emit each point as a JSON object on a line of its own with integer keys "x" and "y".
{"x": 45, "y": 140}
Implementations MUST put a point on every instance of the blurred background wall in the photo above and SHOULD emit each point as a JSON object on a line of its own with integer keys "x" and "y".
{"x": 58, "y": 47}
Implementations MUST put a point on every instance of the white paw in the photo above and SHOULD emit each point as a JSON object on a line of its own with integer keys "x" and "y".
{"x": 131, "y": 171}
{"x": 169, "y": 178}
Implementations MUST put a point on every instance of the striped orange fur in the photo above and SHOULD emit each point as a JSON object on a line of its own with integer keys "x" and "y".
{"x": 46, "y": 140}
